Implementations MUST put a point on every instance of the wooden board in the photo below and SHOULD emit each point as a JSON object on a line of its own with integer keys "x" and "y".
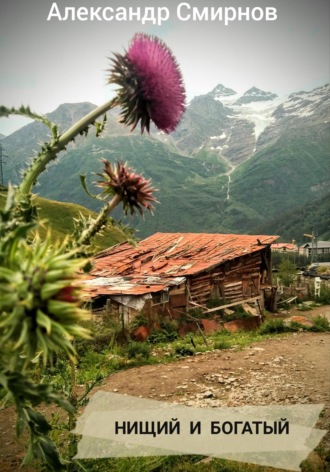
{"x": 241, "y": 302}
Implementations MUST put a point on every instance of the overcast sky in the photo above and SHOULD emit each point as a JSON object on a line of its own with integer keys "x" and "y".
{"x": 44, "y": 64}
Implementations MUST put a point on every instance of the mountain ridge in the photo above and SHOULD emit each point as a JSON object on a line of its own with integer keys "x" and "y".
{"x": 227, "y": 168}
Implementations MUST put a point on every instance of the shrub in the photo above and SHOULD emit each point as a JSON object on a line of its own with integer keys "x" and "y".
{"x": 169, "y": 326}
{"x": 222, "y": 344}
{"x": 324, "y": 295}
{"x": 196, "y": 313}
{"x": 215, "y": 302}
{"x": 286, "y": 272}
{"x": 138, "y": 350}
{"x": 273, "y": 326}
{"x": 184, "y": 351}
{"x": 295, "y": 326}
{"x": 159, "y": 336}
{"x": 168, "y": 332}
{"x": 239, "y": 314}
{"x": 303, "y": 307}
{"x": 104, "y": 338}
{"x": 321, "y": 324}
{"x": 139, "y": 320}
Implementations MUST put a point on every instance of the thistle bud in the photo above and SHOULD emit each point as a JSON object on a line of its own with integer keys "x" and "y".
{"x": 133, "y": 190}
{"x": 40, "y": 300}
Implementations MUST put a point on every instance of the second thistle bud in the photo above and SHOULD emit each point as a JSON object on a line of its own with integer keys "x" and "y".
{"x": 134, "y": 191}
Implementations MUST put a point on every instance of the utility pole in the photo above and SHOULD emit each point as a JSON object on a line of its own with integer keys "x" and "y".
{"x": 2, "y": 155}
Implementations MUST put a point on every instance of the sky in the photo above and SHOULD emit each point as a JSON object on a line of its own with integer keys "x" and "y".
{"x": 46, "y": 63}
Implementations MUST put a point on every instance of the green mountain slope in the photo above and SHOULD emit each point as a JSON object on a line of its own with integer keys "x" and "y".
{"x": 282, "y": 177}
{"x": 314, "y": 216}
{"x": 188, "y": 187}
{"x": 289, "y": 173}
{"x": 58, "y": 218}
{"x": 22, "y": 145}
{"x": 273, "y": 173}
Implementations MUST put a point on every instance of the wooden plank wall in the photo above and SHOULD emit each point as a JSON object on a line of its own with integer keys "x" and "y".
{"x": 232, "y": 281}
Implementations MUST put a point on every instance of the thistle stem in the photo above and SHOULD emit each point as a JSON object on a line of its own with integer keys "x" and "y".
{"x": 72, "y": 394}
{"x": 57, "y": 145}
{"x": 99, "y": 222}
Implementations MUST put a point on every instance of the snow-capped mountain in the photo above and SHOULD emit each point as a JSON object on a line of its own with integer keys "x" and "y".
{"x": 243, "y": 119}
{"x": 255, "y": 95}
{"x": 232, "y": 165}
{"x": 221, "y": 91}
{"x": 304, "y": 104}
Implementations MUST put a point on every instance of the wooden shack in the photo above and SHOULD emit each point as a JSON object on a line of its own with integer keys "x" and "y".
{"x": 170, "y": 273}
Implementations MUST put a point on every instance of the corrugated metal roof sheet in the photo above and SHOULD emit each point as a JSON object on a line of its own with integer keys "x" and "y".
{"x": 128, "y": 285}
{"x": 169, "y": 255}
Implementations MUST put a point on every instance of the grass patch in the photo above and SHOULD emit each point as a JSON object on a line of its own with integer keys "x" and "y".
{"x": 137, "y": 350}
{"x": 184, "y": 463}
{"x": 168, "y": 332}
{"x": 59, "y": 217}
{"x": 303, "y": 307}
{"x": 222, "y": 344}
{"x": 184, "y": 351}
{"x": 273, "y": 326}
{"x": 321, "y": 324}
{"x": 324, "y": 297}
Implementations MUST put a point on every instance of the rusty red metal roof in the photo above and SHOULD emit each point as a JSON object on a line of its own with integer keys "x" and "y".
{"x": 287, "y": 246}
{"x": 163, "y": 257}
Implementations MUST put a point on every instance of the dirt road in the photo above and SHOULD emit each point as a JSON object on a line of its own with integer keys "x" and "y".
{"x": 288, "y": 370}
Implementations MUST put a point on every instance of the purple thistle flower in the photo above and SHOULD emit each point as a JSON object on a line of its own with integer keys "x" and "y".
{"x": 151, "y": 84}
{"x": 133, "y": 190}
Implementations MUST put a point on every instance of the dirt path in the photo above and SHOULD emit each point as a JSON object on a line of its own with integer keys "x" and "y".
{"x": 294, "y": 369}
{"x": 291, "y": 369}
{"x": 284, "y": 370}
{"x": 287, "y": 370}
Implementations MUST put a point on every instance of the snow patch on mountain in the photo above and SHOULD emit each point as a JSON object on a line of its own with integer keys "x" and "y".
{"x": 255, "y": 106}
{"x": 260, "y": 113}
{"x": 229, "y": 100}
{"x": 221, "y": 91}
{"x": 304, "y": 104}
{"x": 222, "y": 136}
{"x": 256, "y": 95}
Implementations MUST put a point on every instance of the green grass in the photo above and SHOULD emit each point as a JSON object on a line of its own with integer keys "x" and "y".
{"x": 172, "y": 464}
{"x": 59, "y": 218}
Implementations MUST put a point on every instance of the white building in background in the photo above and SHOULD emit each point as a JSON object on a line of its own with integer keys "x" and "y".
{"x": 317, "y": 247}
